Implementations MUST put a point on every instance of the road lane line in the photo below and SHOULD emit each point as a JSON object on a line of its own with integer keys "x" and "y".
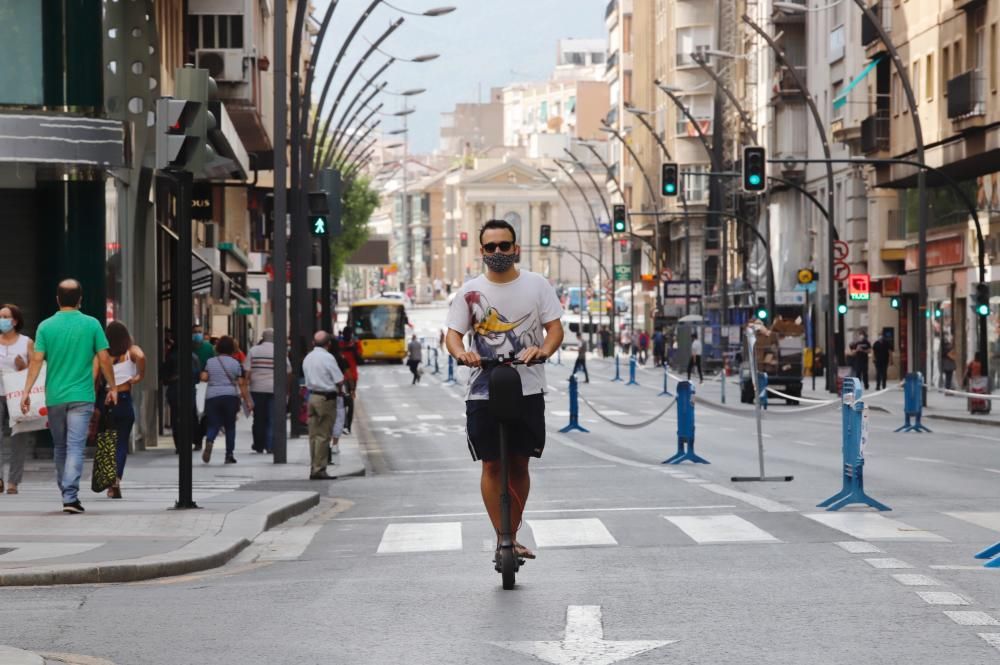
{"x": 887, "y": 563}
{"x": 926, "y": 460}
{"x": 430, "y": 416}
{"x": 383, "y": 419}
{"x": 993, "y": 639}
{"x": 907, "y": 579}
{"x": 858, "y": 547}
{"x": 707, "y": 529}
{"x": 805, "y": 443}
{"x": 971, "y": 618}
{"x": 766, "y": 505}
{"x": 942, "y": 598}
{"x": 570, "y": 533}
{"x": 534, "y": 512}
{"x": 867, "y": 526}
{"x": 425, "y": 537}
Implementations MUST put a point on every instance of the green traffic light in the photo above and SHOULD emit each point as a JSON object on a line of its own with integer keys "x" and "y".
{"x": 319, "y": 226}
{"x": 754, "y": 179}
{"x": 762, "y": 314}
{"x": 670, "y": 188}
{"x": 841, "y": 309}
{"x": 894, "y": 303}
{"x": 983, "y": 309}
{"x": 545, "y": 242}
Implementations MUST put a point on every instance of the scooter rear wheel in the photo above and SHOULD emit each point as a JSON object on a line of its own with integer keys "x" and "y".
{"x": 508, "y": 566}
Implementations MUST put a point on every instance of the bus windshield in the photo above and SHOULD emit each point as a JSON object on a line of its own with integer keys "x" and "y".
{"x": 379, "y": 321}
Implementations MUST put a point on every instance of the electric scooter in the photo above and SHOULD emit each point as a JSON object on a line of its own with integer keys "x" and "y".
{"x": 505, "y": 398}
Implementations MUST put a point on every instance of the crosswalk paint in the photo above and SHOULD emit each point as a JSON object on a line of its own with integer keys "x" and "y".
{"x": 383, "y": 419}
{"x": 570, "y": 533}
{"x": 989, "y": 521}
{"x": 942, "y": 598}
{"x": 421, "y": 537}
{"x": 993, "y": 639}
{"x": 858, "y": 547}
{"x": 430, "y": 416}
{"x": 868, "y": 526}
{"x": 887, "y": 563}
{"x": 971, "y": 618}
{"x": 915, "y": 580}
{"x": 707, "y": 529}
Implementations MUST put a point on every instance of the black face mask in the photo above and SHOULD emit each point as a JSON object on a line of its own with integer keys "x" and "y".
{"x": 499, "y": 262}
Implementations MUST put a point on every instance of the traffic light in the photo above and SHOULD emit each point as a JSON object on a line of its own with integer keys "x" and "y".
{"x": 762, "y": 312}
{"x": 669, "y": 186}
{"x": 841, "y": 301}
{"x": 331, "y": 187}
{"x": 895, "y": 302}
{"x": 319, "y": 212}
{"x": 620, "y": 224}
{"x": 318, "y": 226}
{"x": 545, "y": 237}
{"x": 754, "y": 169}
{"x": 982, "y": 299}
{"x": 464, "y": 238}
{"x": 178, "y": 132}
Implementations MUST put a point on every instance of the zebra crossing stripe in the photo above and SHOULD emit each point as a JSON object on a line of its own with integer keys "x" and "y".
{"x": 868, "y": 526}
{"x": 707, "y": 529}
{"x": 570, "y": 533}
{"x": 421, "y": 537}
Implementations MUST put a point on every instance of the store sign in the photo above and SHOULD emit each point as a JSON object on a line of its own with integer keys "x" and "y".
{"x": 940, "y": 252}
{"x": 623, "y": 272}
{"x": 892, "y": 286}
{"x": 859, "y": 286}
{"x": 201, "y": 202}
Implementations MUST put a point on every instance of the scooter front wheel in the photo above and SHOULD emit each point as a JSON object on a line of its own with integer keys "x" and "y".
{"x": 508, "y": 567}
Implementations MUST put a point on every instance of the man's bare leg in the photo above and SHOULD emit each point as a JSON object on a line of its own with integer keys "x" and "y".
{"x": 520, "y": 482}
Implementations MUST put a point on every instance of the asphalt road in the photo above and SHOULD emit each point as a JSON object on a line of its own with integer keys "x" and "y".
{"x": 667, "y": 565}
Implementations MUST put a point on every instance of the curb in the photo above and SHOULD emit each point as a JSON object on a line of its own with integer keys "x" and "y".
{"x": 964, "y": 419}
{"x": 239, "y": 528}
{"x": 12, "y": 656}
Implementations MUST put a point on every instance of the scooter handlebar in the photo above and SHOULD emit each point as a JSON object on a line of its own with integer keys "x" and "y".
{"x": 489, "y": 363}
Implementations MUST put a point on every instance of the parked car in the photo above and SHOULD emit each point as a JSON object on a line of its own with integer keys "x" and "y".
{"x": 396, "y": 295}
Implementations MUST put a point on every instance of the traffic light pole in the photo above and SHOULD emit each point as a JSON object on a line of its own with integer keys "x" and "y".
{"x": 280, "y": 249}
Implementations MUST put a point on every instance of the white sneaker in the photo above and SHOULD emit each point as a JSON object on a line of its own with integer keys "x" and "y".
{"x": 335, "y": 449}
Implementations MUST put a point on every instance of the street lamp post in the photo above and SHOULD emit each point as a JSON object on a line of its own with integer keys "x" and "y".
{"x": 597, "y": 223}
{"x": 833, "y": 352}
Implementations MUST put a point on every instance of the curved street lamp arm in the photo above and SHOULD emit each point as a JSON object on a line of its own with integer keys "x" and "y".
{"x": 593, "y": 181}
{"x": 347, "y": 117}
{"x": 317, "y": 48}
{"x": 607, "y": 170}
{"x": 344, "y": 159}
{"x": 350, "y": 145}
{"x": 744, "y": 118}
{"x": 697, "y": 128}
{"x": 363, "y": 159}
{"x": 656, "y": 137}
{"x": 576, "y": 225}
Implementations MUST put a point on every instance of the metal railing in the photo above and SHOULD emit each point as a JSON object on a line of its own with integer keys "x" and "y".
{"x": 896, "y": 225}
{"x": 875, "y": 132}
{"x": 966, "y": 95}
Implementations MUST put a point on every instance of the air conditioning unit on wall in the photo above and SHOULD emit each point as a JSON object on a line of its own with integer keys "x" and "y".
{"x": 225, "y": 65}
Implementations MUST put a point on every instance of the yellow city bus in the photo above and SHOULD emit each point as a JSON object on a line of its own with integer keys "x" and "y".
{"x": 379, "y": 325}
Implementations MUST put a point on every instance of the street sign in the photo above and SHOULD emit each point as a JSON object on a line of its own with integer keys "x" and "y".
{"x": 859, "y": 286}
{"x": 806, "y": 288}
{"x": 841, "y": 271}
{"x": 806, "y": 276}
{"x": 678, "y": 289}
{"x": 605, "y": 228}
{"x": 840, "y": 250}
{"x": 623, "y": 272}
{"x": 892, "y": 286}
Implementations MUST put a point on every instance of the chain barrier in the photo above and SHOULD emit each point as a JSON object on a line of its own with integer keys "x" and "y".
{"x": 645, "y": 423}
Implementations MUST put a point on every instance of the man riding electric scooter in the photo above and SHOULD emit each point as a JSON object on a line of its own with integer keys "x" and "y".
{"x": 508, "y": 311}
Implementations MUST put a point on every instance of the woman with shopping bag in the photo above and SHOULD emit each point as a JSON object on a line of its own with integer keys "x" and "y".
{"x": 129, "y": 365}
{"x": 15, "y": 349}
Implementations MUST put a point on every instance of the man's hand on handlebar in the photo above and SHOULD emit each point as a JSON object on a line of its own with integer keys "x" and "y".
{"x": 532, "y": 353}
{"x": 469, "y": 359}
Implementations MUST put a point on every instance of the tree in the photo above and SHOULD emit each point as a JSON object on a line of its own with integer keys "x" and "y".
{"x": 360, "y": 201}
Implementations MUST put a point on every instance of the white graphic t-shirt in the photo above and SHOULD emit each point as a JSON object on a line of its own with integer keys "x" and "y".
{"x": 504, "y": 318}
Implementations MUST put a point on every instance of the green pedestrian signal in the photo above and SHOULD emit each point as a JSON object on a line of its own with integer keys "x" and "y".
{"x": 894, "y": 302}
{"x": 318, "y": 226}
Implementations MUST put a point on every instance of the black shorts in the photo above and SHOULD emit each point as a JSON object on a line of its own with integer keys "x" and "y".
{"x": 526, "y": 434}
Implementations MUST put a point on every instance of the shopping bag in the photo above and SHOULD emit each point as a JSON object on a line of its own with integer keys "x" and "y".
{"x": 37, "y": 417}
{"x": 105, "y": 471}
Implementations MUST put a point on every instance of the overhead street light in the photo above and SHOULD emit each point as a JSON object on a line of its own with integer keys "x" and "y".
{"x": 436, "y": 11}
{"x": 412, "y": 92}
{"x": 397, "y": 132}
{"x": 392, "y": 146}
{"x": 796, "y": 8}
{"x": 404, "y": 112}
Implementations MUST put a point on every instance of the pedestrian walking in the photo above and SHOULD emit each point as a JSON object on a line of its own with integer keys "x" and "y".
{"x": 948, "y": 364}
{"x": 351, "y": 354}
{"x": 203, "y": 348}
{"x": 324, "y": 380}
{"x": 882, "y": 355}
{"x": 169, "y": 377}
{"x": 695, "y": 359}
{"x": 259, "y": 370}
{"x": 67, "y": 342}
{"x": 414, "y": 353}
{"x": 15, "y": 352}
{"x": 128, "y": 363}
{"x": 581, "y": 358}
{"x": 625, "y": 339}
{"x": 227, "y": 385}
{"x": 973, "y": 370}
{"x": 605, "y": 336}
{"x": 861, "y": 348}
{"x": 643, "y": 346}
{"x": 659, "y": 347}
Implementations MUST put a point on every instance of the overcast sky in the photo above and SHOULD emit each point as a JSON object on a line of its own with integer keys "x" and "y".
{"x": 483, "y": 44}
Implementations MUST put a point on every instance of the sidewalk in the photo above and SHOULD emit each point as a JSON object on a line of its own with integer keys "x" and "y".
{"x": 138, "y": 537}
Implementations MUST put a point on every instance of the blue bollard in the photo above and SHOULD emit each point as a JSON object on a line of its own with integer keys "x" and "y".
{"x": 855, "y": 431}
{"x": 913, "y": 403}
{"x": 631, "y": 371}
{"x": 618, "y": 374}
{"x": 762, "y": 388}
{"x": 451, "y": 371}
{"x": 723, "y": 382}
{"x": 685, "y": 426}
{"x": 574, "y": 409}
{"x": 437, "y": 368}
{"x": 666, "y": 382}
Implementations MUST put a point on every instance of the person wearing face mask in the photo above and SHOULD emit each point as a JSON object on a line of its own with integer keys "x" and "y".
{"x": 15, "y": 350}
{"x": 506, "y": 310}
{"x": 202, "y": 347}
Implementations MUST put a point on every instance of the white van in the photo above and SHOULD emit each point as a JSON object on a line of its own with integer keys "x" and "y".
{"x": 592, "y": 322}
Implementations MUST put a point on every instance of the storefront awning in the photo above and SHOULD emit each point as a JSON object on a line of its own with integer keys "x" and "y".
{"x": 44, "y": 138}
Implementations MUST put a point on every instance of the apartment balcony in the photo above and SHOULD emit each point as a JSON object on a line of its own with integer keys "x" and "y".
{"x": 611, "y": 9}
{"x": 875, "y": 132}
{"x": 785, "y": 86}
{"x": 612, "y": 62}
{"x": 967, "y": 100}
{"x": 869, "y": 32}
{"x": 784, "y": 18}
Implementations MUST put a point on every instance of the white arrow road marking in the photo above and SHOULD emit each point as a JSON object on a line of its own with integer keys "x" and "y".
{"x": 584, "y": 643}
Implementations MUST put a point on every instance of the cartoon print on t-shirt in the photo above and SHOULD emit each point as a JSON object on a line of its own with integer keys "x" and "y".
{"x": 495, "y": 335}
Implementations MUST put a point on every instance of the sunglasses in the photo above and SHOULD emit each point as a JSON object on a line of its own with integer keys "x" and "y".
{"x": 504, "y": 246}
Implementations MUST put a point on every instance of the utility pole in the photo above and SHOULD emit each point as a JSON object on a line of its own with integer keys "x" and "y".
{"x": 280, "y": 260}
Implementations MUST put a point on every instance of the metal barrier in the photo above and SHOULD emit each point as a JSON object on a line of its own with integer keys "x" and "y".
{"x": 631, "y": 371}
{"x": 722, "y": 381}
{"x": 913, "y": 403}
{"x": 451, "y": 371}
{"x": 618, "y": 374}
{"x": 685, "y": 427}
{"x": 855, "y": 437}
{"x": 574, "y": 409}
{"x": 762, "y": 389}
{"x": 666, "y": 382}
{"x": 437, "y": 368}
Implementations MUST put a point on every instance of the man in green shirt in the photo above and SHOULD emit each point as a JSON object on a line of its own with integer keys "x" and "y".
{"x": 67, "y": 342}
{"x": 202, "y": 347}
